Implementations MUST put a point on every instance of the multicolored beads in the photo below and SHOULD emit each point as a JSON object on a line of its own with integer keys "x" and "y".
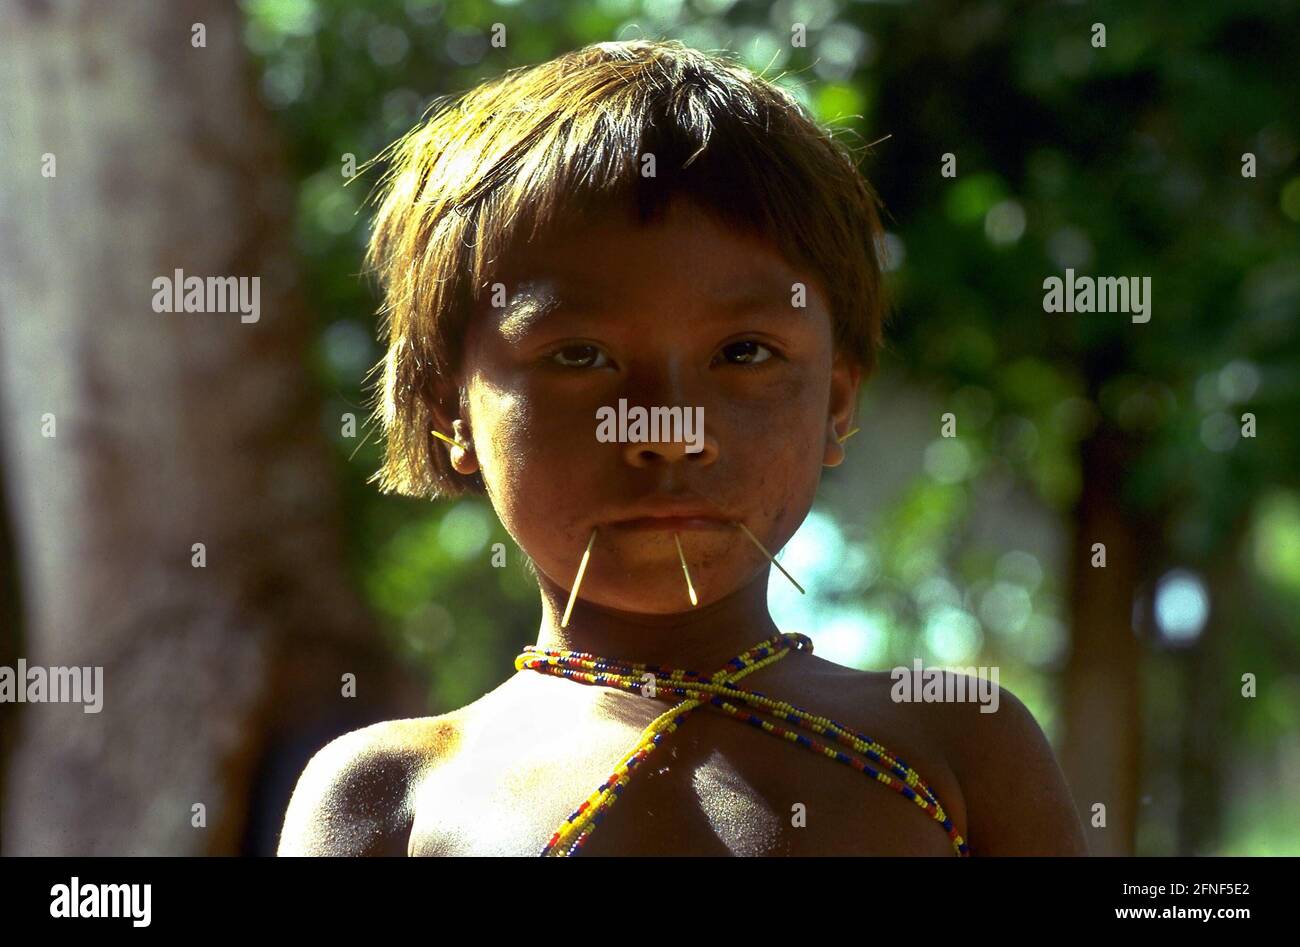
{"x": 718, "y": 690}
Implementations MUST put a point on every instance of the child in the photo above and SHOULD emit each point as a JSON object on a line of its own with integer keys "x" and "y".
{"x": 642, "y": 221}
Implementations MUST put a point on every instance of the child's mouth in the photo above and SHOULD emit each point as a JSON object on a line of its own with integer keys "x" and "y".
{"x": 673, "y": 512}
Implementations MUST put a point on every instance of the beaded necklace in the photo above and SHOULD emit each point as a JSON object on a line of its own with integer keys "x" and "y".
{"x": 654, "y": 681}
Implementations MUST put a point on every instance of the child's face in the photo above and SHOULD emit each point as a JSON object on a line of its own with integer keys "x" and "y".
{"x": 684, "y": 312}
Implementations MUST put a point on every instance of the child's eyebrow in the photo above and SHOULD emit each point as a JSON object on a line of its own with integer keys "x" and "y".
{"x": 526, "y": 310}
{"x": 537, "y": 302}
{"x": 768, "y": 292}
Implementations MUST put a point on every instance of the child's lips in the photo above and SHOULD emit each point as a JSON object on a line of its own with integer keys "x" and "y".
{"x": 679, "y": 511}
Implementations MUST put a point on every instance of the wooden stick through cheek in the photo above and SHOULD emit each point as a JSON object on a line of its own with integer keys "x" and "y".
{"x": 573, "y": 593}
{"x": 770, "y": 557}
{"x": 690, "y": 588}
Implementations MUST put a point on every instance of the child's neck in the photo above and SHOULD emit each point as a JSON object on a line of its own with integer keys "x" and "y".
{"x": 701, "y": 639}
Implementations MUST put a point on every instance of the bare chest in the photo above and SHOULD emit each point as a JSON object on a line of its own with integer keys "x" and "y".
{"x": 715, "y": 786}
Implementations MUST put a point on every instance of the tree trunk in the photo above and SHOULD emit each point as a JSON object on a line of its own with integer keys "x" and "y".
{"x": 171, "y": 429}
{"x": 1205, "y": 742}
{"x": 1101, "y": 753}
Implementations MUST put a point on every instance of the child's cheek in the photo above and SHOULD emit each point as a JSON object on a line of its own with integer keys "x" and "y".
{"x": 533, "y": 451}
{"x": 782, "y": 421}
{"x": 787, "y": 451}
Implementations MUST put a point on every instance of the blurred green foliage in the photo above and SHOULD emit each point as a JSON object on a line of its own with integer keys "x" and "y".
{"x": 1122, "y": 160}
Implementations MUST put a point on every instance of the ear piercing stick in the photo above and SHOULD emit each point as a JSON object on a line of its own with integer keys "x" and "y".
{"x": 769, "y": 555}
{"x": 573, "y": 592}
{"x": 680, "y": 555}
{"x": 849, "y": 434}
{"x": 448, "y": 439}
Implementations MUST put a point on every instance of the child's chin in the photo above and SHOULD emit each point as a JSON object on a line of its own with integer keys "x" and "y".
{"x": 658, "y": 594}
{"x": 652, "y": 545}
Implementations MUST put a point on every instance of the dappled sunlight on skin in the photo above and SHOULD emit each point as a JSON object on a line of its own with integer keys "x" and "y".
{"x": 739, "y": 816}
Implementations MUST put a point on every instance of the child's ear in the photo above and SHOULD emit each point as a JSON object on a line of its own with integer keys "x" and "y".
{"x": 846, "y": 376}
{"x": 464, "y": 460}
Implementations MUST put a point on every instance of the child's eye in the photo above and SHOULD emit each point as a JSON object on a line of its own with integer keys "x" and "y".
{"x": 578, "y": 356}
{"x": 746, "y": 352}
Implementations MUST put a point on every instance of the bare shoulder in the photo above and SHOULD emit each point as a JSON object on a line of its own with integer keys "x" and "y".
{"x": 862, "y": 700}
{"x": 354, "y": 797}
{"x": 1017, "y": 800}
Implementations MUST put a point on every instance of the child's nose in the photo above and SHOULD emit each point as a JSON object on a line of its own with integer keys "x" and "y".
{"x": 651, "y": 453}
